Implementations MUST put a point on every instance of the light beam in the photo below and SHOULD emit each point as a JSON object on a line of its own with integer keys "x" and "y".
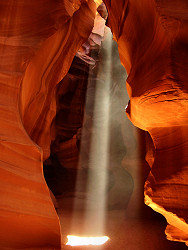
{"x": 93, "y": 220}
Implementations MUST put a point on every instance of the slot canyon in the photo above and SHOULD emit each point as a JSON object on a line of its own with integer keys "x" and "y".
{"x": 94, "y": 124}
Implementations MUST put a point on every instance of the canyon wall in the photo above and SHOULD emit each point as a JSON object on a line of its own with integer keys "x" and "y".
{"x": 71, "y": 97}
{"x": 37, "y": 45}
{"x": 153, "y": 44}
{"x": 38, "y": 41}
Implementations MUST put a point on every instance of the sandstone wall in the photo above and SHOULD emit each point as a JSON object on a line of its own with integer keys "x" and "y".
{"x": 153, "y": 44}
{"x": 37, "y": 45}
{"x": 38, "y": 40}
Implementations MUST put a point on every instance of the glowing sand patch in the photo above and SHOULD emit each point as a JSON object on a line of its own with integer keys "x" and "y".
{"x": 85, "y": 241}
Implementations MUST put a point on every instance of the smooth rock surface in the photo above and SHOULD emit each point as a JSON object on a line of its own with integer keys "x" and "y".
{"x": 37, "y": 45}
{"x": 38, "y": 42}
{"x": 152, "y": 40}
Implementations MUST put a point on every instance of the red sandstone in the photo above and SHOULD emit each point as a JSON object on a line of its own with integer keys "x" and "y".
{"x": 152, "y": 41}
{"x": 37, "y": 45}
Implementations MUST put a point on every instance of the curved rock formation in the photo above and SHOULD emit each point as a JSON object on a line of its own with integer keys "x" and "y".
{"x": 152, "y": 40}
{"x": 71, "y": 95}
{"x": 38, "y": 42}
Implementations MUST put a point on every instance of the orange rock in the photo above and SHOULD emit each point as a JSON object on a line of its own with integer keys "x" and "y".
{"x": 71, "y": 97}
{"x": 153, "y": 44}
{"x": 37, "y": 44}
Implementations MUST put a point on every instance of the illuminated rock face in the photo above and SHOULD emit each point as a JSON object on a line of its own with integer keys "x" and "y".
{"x": 152, "y": 40}
{"x": 37, "y": 44}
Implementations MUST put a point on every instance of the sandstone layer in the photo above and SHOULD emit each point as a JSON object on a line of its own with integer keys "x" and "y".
{"x": 153, "y": 44}
{"x": 38, "y": 42}
{"x": 71, "y": 97}
{"x": 37, "y": 45}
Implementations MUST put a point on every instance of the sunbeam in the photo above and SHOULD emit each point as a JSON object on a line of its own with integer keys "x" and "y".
{"x": 97, "y": 164}
{"x": 99, "y": 150}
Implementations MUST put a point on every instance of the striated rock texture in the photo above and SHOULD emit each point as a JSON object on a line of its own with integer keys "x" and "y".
{"x": 153, "y": 46}
{"x": 71, "y": 95}
{"x": 70, "y": 110}
{"x": 69, "y": 168}
{"x": 38, "y": 41}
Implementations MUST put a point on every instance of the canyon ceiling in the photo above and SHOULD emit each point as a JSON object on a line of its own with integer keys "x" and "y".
{"x": 38, "y": 42}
